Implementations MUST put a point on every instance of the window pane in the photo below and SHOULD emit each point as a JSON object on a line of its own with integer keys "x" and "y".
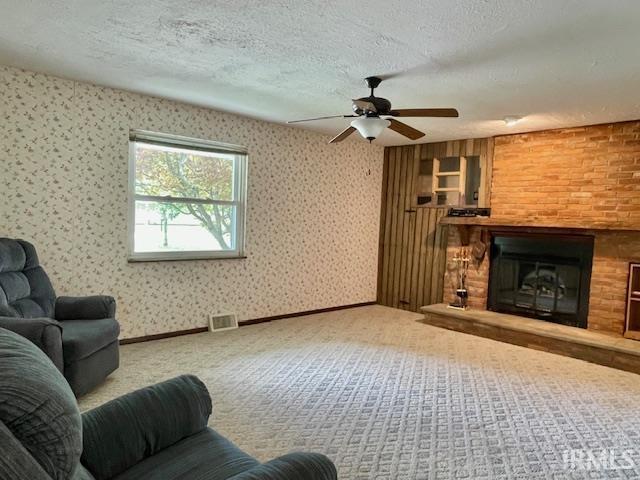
{"x": 183, "y": 173}
{"x": 175, "y": 227}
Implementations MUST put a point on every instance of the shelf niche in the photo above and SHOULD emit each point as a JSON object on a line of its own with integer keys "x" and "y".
{"x": 454, "y": 174}
{"x": 632, "y": 320}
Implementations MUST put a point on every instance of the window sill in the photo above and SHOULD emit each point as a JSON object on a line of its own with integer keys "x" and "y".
{"x": 168, "y": 258}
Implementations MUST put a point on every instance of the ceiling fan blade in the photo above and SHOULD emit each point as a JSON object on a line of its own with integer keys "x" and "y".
{"x": 404, "y": 129}
{"x": 424, "y": 112}
{"x": 321, "y": 118}
{"x": 342, "y": 135}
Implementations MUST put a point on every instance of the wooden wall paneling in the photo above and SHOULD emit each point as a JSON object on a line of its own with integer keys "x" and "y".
{"x": 422, "y": 253}
{"x": 415, "y": 258}
{"x": 437, "y": 256}
{"x": 412, "y": 282}
{"x": 482, "y": 197}
{"x": 462, "y": 180}
{"x": 440, "y": 263}
{"x": 391, "y": 246}
{"x": 399, "y": 212}
{"x": 475, "y": 147}
{"x": 431, "y": 281}
{"x": 385, "y": 228}
{"x": 444, "y": 149}
{"x": 429, "y": 151}
{"x": 407, "y": 227}
{"x": 391, "y": 221}
{"x": 412, "y": 243}
{"x": 434, "y": 181}
{"x": 381, "y": 228}
{"x": 469, "y": 147}
{"x": 489, "y": 172}
{"x": 402, "y": 230}
{"x": 427, "y": 238}
{"x": 414, "y": 239}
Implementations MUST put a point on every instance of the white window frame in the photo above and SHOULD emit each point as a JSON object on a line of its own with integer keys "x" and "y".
{"x": 240, "y": 189}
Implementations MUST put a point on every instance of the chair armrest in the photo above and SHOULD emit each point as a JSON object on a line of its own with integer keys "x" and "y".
{"x": 292, "y": 466}
{"x": 94, "y": 307}
{"x": 45, "y": 333}
{"x": 130, "y": 428}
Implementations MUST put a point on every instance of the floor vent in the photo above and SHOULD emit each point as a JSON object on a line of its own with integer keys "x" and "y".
{"x": 218, "y": 323}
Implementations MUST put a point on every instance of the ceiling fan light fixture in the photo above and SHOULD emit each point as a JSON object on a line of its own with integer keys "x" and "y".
{"x": 370, "y": 127}
{"x": 369, "y": 109}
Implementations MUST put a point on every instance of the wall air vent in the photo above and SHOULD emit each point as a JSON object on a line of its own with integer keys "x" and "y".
{"x": 219, "y": 323}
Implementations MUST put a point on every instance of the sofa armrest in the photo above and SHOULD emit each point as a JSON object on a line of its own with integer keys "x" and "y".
{"x": 16, "y": 461}
{"x": 45, "y": 333}
{"x": 135, "y": 426}
{"x": 292, "y": 466}
{"x": 94, "y": 307}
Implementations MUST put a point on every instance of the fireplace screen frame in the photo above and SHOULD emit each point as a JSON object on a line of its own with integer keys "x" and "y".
{"x": 542, "y": 249}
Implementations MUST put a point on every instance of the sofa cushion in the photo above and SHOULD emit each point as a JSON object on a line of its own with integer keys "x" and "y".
{"x": 81, "y": 338}
{"x": 38, "y": 407}
{"x": 206, "y": 456}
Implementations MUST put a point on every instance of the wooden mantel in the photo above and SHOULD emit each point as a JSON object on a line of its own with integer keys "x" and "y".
{"x": 532, "y": 222}
{"x": 533, "y": 225}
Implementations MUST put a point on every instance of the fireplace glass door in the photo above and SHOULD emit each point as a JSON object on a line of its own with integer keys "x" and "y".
{"x": 541, "y": 277}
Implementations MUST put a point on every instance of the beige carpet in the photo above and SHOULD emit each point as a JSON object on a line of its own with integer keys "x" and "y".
{"x": 386, "y": 397}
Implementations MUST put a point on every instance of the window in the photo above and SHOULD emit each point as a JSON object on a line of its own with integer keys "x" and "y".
{"x": 187, "y": 198}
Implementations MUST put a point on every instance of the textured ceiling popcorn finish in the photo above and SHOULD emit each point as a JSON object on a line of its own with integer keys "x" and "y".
{"x": 567, "y": 63}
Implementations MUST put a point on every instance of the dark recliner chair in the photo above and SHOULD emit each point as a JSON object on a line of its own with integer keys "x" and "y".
{"x": 78, "y": 334}
{"x": 156, "y": 433}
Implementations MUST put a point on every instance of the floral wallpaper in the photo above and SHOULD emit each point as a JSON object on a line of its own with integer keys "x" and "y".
{"x": 312, "y": 216}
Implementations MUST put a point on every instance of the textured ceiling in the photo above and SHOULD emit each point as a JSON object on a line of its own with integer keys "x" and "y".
{"x": 557, "y": 63}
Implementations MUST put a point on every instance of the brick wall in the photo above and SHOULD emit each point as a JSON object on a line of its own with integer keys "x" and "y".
{"x": 477, "y": 276}
{"x": 609, "y": 276}
{"x": 586, "y": 177}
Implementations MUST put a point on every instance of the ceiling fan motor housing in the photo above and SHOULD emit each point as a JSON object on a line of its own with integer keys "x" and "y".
{"x": 381, "y": 106}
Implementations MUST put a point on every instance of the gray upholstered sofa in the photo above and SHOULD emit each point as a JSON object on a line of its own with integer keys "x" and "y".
{"x": 156, "y": 433}
{"x": 78, "y": 334}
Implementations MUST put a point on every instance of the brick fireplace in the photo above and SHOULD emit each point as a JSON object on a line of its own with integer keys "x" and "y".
{"x": 541, "y": 276}
{"x": 582, "y": 181}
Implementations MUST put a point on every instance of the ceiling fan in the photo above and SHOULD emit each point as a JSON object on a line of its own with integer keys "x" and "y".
{"x": 369, "y": 112}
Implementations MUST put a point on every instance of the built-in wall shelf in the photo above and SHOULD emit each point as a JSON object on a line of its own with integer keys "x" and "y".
{"x": 632, "y": 319}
